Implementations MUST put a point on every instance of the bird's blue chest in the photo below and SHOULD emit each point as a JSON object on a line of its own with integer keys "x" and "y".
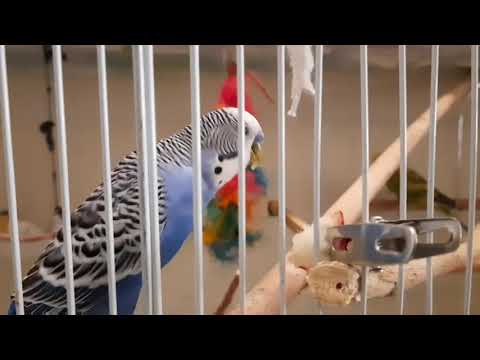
{"x": 179, "y": 199}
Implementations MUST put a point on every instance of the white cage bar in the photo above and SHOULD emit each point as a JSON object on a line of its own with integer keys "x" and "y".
{"x": 141, "y": 129}
{"x": 472, "y": 191}
{"x": 402, "y": 54}
{"x": 242, "y": 193}
{"x": 432, "y": 147}
{"x": 460, "y": 129}
{"x": 10, "y": 181}
{"x": 282, "y": 221}
{"x": 365, "y": 161}
{"x": 157, "y": 303}
{"x": 107, "y": 182}
{"x": 317, "y": 156}
{"x": 63, "y": 171}
{"x": 197, "y": 179}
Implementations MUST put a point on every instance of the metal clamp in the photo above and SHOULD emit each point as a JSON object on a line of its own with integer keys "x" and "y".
{"x": 390, "y": 242}
{"x": 424, "y": 226}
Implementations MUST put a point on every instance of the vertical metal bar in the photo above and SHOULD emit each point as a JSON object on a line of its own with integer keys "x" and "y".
{"x": 317, "y": 157}
{"x": 282, "y": 225}
{"x": 403, "y": 158}
{"x": 472, "y": 191}
{"x": 10, "y": 178}
{"x": 365, "y": 161}
{"x": 241, "y": 176}
{"x": 139, "y": 87}
{"x": 63, "y": 171}
{"x": 458, "y": 167}
{"x": 107, "y": 181}
{"x": 197, "y": 179}
{"x": 431, "y": 168}
{"x": 317, "y": 148}
{"x": 153, "y": 177}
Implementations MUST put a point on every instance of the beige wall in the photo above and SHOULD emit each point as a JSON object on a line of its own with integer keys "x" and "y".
{"x": 341, "y": 157}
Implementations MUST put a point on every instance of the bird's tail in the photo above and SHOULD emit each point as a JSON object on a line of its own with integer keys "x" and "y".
{"x": 443, "y": 199}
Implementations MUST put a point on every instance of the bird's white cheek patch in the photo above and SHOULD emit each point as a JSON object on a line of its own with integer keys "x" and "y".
{"x": 224, "y": 171}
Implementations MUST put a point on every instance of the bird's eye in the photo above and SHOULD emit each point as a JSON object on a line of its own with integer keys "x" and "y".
{"x": 247, "y": 131}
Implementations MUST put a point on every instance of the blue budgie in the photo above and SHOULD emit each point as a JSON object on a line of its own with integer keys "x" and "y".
{"x": 44, "y": 285}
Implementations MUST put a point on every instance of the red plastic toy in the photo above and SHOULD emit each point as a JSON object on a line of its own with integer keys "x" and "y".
{"x": 228, "y": 94}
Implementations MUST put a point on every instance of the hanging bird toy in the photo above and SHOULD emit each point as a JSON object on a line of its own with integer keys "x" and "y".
{"x": 221, "y": 224}
{"x": 221, "y": 228}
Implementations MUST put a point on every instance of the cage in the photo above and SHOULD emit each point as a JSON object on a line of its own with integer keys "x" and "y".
{"x": 408, "y": 104}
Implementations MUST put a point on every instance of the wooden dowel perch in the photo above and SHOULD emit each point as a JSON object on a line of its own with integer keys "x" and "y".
{"x": 227, "y": 299}
{"x": 337, "y": 283}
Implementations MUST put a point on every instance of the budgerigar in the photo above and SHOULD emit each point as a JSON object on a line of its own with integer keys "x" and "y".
{"x": 417, "y": 190}
{"x": 417, "y": 193}
{"x": 44, "y": 286}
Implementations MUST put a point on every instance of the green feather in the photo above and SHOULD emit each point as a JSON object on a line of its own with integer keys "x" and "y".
{"x": 417, "y": 192}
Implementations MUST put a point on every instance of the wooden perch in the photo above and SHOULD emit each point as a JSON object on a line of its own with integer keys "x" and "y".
{"x": 294, "y": 223}
{"x": 264, "y": 297}
{"x": 227, "y": 299}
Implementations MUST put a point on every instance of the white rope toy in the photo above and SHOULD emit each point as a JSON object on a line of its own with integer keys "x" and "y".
{"x": 301, "y": 62}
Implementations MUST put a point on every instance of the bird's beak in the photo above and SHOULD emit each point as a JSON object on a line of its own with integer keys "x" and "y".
{"x": 255, "y": 157}
{"x": 259, "y": 138}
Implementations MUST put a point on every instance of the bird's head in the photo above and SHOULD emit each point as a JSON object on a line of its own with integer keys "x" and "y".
{"x": 220, "y": 144}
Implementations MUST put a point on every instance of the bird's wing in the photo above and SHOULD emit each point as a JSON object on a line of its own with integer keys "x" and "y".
{"x": 415, "y": 178}
{"x": 44, "y": 285}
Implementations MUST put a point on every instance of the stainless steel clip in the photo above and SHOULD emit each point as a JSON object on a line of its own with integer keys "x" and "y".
{"x": 424, "y": 226}
{"x": 385, "y": 242}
